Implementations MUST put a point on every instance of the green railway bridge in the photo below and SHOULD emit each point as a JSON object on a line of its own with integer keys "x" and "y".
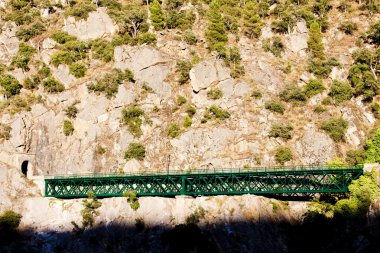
{"x": 297, "y": 180}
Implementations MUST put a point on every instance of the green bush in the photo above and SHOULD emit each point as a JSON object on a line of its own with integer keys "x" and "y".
{"x": 102, "y": 50}
{"x": 355, "y": 156}
{"x": 189, "y": 37}
{"x": 319, "y": 109}
{"x": 215, "y": 112}
{"x": 32, "y": 82}
{"x": 89, "y": 212}
{"x": 214, "y": 94}
{"x": 372, "y": 148}
{"x": 283, "y": 154}
{"x": 29, "y": 31}
{"x": 187, "y": 121}
{"x": 135, "y": 151}
{"x": 275, "y": 106}
{"x": 336, "y": 127}
{"x": 181, "y": 100}
{"x": 147, "y": 38}
{"x": 323, "y": 68}
{"x": 22, "y": 58}
{"x": 62, "y": 37}
{"x": 252, "y": 23}
{"x": 327, "y": 101}
{"x": 68, "y": 128}
{"x": 373, "y": 33}
{"x": 109, "y": 83}
{"x": 281, "y": 130}
{"x": 274, "y": 45}
{"x": 71, "y": 111}
{"x": 191, "y": 111}
{"x": 348, "y": 27}
{"x": 183, "y": 68}
{"x": 9, "y": 220}
{"x": 64, "y": 57}
{"x": 80, "y": 9}
{"x": 10, "y": 85}
{"x": 215, "y": 33}
{"x": 340, "y": 91}
{"x": 52, "y": 86}
{"x": 132, "y": 198}
{"x": 5, "y": 132}
{"x": 315, "y": 44}
{"x": 173, "y": 130}
{"x": 156, "y": 15}
{"x": 180, "y": 19}
{"x": 314, "y": 87}
{"x": 293, "y": 93}
{"x": 78, "y": 69}
{"x": 375, "y": 108}
{"x": 196, "y": 216}
{"x": 131, "y": 117}
{"x": 256, "y": 94}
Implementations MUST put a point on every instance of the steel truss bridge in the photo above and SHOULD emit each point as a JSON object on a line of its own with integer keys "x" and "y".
{"x": 288, "y": 181}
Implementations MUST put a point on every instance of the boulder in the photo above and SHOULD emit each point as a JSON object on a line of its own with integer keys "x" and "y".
{"x": 97, "y": 25}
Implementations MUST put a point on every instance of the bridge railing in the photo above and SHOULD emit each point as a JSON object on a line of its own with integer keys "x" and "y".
{"x": 209, "y": 171}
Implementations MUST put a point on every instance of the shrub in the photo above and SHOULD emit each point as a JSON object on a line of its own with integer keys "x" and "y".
{"x": 189, "y": 37}
{"x": 180, "y": 19}
{"x": 293, "y": 93}
{"x": 322, "y": 68}
{"x": 89, "y": 212}
{"x": 191, "y": 111}
{"x": 64, "y": 57}
{"x": 109, "y": 83}
{"x": 52, "y": 86}
{"x": 80, "y": 9}
{"x": 283, "y": 154}
{"x": 215, "y": 112}
{"x": 355, "y": 156}
{"x": 327, "y": 101}
{"x": 252, "y": 23}
{"x": 5, "y": 132}
{"x": 22, "y": 58}
{"x": 335, "y": 127}
{"x": 375, "y": 108}
{"x": 256, "y": 94}
{"x": 78, "y": 69}
{"x": 9, "y": 220}
{"x": 275, "y": 106}
{"x": 135, "y": 151}
{"x": 147, "y": 38}
{"x": 314, "y": 87}
{"x": 32, "y": 82}
{"x": 100, "y": 150}
{"x": 173, "y": 130}
{"x": 340, "y": 91}
{"x": 71, "y": 111}
{"x": 102, "y": 50}
{"x": 187, "y": 121}
{"x": 196, "y": 216}
{"x": 215, "y": 33}
{"x": 29, "y": 31}
{"x": 131, "y": 117}
{"x": 181, "y": 100}
{"x": 319, "y": 109}
{"x": 156, "y": 15}
{"x": 275, "y": 46}
{"x": 348, "y": 27}
{"x": 373, "y": 34}
{"x": 62, "y": 37}
{"x": 372, "y": 148}
{"x": 132, "y": 198}
{"x": 68, "y": 128}
{"x": 281, "y": 130}
{"x": 315, "y": 44}
{"x": 214, "y": 94}
{"x": 183, "y": 67}
{"x": 2, "y": 68}
{"x": 10, "y": 85}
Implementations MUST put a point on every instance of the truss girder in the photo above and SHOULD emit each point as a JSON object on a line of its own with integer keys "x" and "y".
{"x": 289, "y": 183}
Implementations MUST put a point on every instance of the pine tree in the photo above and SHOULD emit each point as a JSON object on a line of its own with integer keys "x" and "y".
{"x": 156, "y": 15}
{"x": 252, "y": 22}
{"x": 216, "y": 30}
{"x": 315, "y": 44}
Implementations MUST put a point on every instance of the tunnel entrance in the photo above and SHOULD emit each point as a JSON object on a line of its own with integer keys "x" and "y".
{"x": 24, "y": 167}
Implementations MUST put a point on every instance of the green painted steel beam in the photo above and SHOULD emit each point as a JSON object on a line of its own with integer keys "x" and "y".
{"x": 310, "y": 180}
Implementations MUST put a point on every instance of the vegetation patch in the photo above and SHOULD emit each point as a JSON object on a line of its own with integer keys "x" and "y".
{"x": 23, "y": 57}
{"x": 89, "y": 212}
{"x": 9, "y": 220}
{"x": 132, "y": 118}
{"x": 281, "y": 130}
{"x": 283, "y": 154}
{"x": 340, "y": 91}
{"x": 132, "y": 199}
{"x": 52, "y": 86}
{"x": 214, "y": 94}
{"x": 10, "y": 86}
{"x": 78, "y": 69}
{"x": 335, "y": 127}
{"x": 173, "y": 130}
{"x": 215, "y": 112}
{"x": 196, "y": 216}
{"x": 5, "y": 132}
{"x": 68, "y": 128}
{"x": 275, "y": 106}
{"x": 183, "y": 68}
{"x": 314, "y": 87}
{"x": 135, "y": 151}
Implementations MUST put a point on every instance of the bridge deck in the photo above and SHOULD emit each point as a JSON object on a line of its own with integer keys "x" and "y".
{"x": 289, "y": 180}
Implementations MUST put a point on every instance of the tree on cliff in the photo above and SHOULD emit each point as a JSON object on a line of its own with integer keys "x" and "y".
{"x": 315, "y": 44}
{"x": 156, "y": 15}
